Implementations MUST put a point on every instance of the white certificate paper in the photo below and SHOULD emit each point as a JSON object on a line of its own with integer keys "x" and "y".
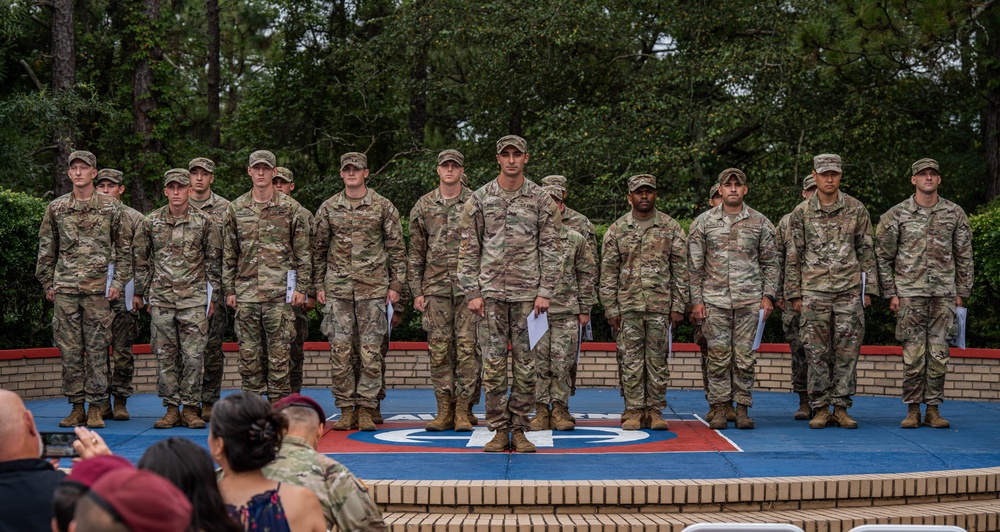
{"x": 389, "y": 311}
{"x": 290, "y": 286}
{"x": 208, "y": 290}
{"x": 760, "y": 330}
{"x": 129, "y": 292}
{"x": 961, "y": 317}
{"x": 537, "y": 325}
{"x": 670, "y": 341}
{"x": 111, "y": 275}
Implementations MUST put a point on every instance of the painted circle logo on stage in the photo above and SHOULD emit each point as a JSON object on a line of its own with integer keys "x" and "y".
{"x": 581, "y": 438}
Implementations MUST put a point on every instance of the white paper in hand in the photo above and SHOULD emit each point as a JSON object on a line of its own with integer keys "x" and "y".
{"x": 961, "y": 316}
{"x": 129, "y": 292}
{"x": 670, "y": 341}
{"x": 537, "y": 325}
{"x": 864, "y": 281}
{"x": 209, "y": 291}
{"x": 111, "y": 275}
{"x": 290, "y": 286}
{"x": 760, "y": 330}
{"x": 389, "y": 311}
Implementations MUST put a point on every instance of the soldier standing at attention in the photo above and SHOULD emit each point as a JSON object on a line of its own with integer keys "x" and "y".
{"x": 360, "y": 265}
{"x": 432, "y": 265}
{"x": 643, "y": 288}
{"x": 924, "y": 254}
{"x": 284, "y": 182}
{"x": 827, "y": 249}
{"x": 215, "y": 206}
{"x": 125, "y": 329}
{"x": 265, "y": 247}
{"x": 790, "y": 318}
{"x": 733, "y": 269}
{"x": 508, "y": 266}
{"x": 178, "y": 253}
{"x": 82, "y": 232}
{"x": 569, "y": 311}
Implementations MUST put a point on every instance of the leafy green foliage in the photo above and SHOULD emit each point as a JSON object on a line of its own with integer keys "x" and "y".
{"x": 24, "y": 317}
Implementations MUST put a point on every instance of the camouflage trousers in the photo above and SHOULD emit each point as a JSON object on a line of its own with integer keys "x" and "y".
{"x": 800, "y": 372}
{"x": 506, "y": 322}
{"x": 922, "y": 325}
{"x": 642, "y": 342}
{"x": 81, "y": 328}
{"x": 832, "y": 328}
{"x": 265, "y": 332}
{"x": 214, "y": 360}
{"x": 342, "y": 319}
{"x": 699, "y": 340}
{"x": 451, "y": 342}
{"x": 178, "y": 337}
{"x": 555, "y": 355}
{"x": 356, "y": 360}
{"x": 297, "y": 355}
{"x": 729, "y": 334}
{"x": 124, "y": 331}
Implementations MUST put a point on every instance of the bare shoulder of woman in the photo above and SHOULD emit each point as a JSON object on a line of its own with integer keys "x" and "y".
{"x": 302, "y": 509}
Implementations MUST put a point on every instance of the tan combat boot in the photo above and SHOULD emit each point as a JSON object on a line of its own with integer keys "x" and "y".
{"x": 445, "y": 419}
{"x": 743, "y": 420}
{"x": 377, "y": 414}
{"x": 169, "y": 420}
{"x": 720, "y": 420}
{"x": 94, "y": 418}
{"x": 804, "y": 412}
{"x": 821, "y": 418}
{"x": 656, "y": 421}
{"x": 499, "y": 443}
{"x": 843, "y": 419}
{"x": 76, "y": 418}
{"x": 730, "y": 413}
{"x": 121, "y": 412}
{"x": 106, "y": 412}
{"x": 206, "y": 412}
{"x": 912, "y": 420}
{"x": 463, "y": 416}
{"x": 561, "y": 419}
{"x": 542, "y": 419}
{"x": 710, "y": 414}
{"x": 520, "y": 442}
{"x": 191, "y": 419}
{"x": 632, "y": 420}
{"x": 346, "y": 419}
{"x": 932, "y": 418}
{"x": 365, "y": 421}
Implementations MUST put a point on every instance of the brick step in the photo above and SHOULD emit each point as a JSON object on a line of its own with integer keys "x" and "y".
{"x": 972, "y": 515}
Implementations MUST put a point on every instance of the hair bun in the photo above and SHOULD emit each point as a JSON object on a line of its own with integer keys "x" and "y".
{"x": 262, "y": 430}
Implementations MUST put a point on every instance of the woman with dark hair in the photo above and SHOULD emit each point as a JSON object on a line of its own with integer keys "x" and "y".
{"x": 244, "y": 436}
{"x": 189, "y": 467}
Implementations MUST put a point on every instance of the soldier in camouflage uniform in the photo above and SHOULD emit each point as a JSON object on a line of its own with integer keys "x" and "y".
{"x": 924, "y": 253}
{"x": 81, "y": 234}
{"x": 265, "y": 239}
{"x": 125, "y": 329}
{"x": 790, "y": 318}
{"x": 733, "y": 273}
{"x": 360, "y": 265}
{"x": 508, "y": 266}
{"x": 347, "y": 504}
{"x": 284, "y": 182}
{"x": 643, "y": 289}
{"x": 178, "y": 252}
{"x": 569, "y": 312}
{"x": 202, "y": 172}
{"x": 432, "y": 273}
{"x": 827, "y": 249}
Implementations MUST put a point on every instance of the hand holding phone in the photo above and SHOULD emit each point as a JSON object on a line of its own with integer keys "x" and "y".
{"x": 58, "y": 445}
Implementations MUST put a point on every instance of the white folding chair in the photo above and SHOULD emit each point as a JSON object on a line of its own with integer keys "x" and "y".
{"x": 907, "y": 528}
{"x": 740, "y": 527}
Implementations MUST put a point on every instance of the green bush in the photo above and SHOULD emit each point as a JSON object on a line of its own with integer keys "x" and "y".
{"x": 983, "y": 329}
{"x": 24, "y": 317}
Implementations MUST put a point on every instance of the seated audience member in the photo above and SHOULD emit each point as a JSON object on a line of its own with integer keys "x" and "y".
{"x": 84, "y": 474}
{"x": 244, "y": 436}
{"x": 134, "y": 501}
{"x": 345, "y": 500}
{"x": 189, "y": 467}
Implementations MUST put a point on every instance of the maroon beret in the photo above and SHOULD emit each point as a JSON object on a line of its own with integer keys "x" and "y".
{"x": 87, "y": 472}
{"x": 297, "y": 399}
{"x": 143, "y": 500}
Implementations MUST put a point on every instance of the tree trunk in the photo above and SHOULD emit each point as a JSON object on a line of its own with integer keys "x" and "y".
{"x": 418, "y": 75}
{"x": 147, "y": 51}
{"x": 63, "y": 79}
{"x": 214, "y": 47}
{"x": 989, "y": 80}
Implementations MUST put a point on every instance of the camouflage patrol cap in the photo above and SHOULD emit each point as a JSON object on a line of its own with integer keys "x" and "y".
{"x": 809, "y": 182}
{"x": 924, "y": 164}
{"x": 355, "y": 159}
{"x": 84, "y": 156}
{"x": 285, "y": 174}
{"x": 557, "y": 180}
{"x": 451, "y": 155}
{"x": 177, "y": 175}
{"x": 109, "y": 174}
{"x": 826, "y": 162}
{"x": 201, "y": 162}
{"x": 641, "y": 180}
{"x": 512, "y": 140}
{"x": 714, "y": 192}
{"x": 730, "y": 173}
{"x": 263, "y": 156}
{"x": 555, "y": 191}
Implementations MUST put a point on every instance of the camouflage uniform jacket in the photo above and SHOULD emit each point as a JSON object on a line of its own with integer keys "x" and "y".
{"x": 260, "y": 246}
{"x": 435, "y": 237}
{"x": 76, "y": 242}
{"x": 644, "y": 271}
{"x": 133, "y": 219}
{"x": 216, "y": 208}
{"x": 780, "y": 235}
{"x": 924, "y": 254}
{"x": 345, "y": 500}
{"x": 358, "y": 253}
{"x": 828, "y": 247}
{"x": 581, "y": 224}
{"x": 176, "y": 257}
{"x": 575, "y": 292}
{"x": 732, "y": 264}
{"x": 310, "y": 289}
{"x": 510, "y": 247}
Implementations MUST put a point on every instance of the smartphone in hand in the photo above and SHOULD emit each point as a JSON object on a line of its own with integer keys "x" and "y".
{"x": 58, "y": 445}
